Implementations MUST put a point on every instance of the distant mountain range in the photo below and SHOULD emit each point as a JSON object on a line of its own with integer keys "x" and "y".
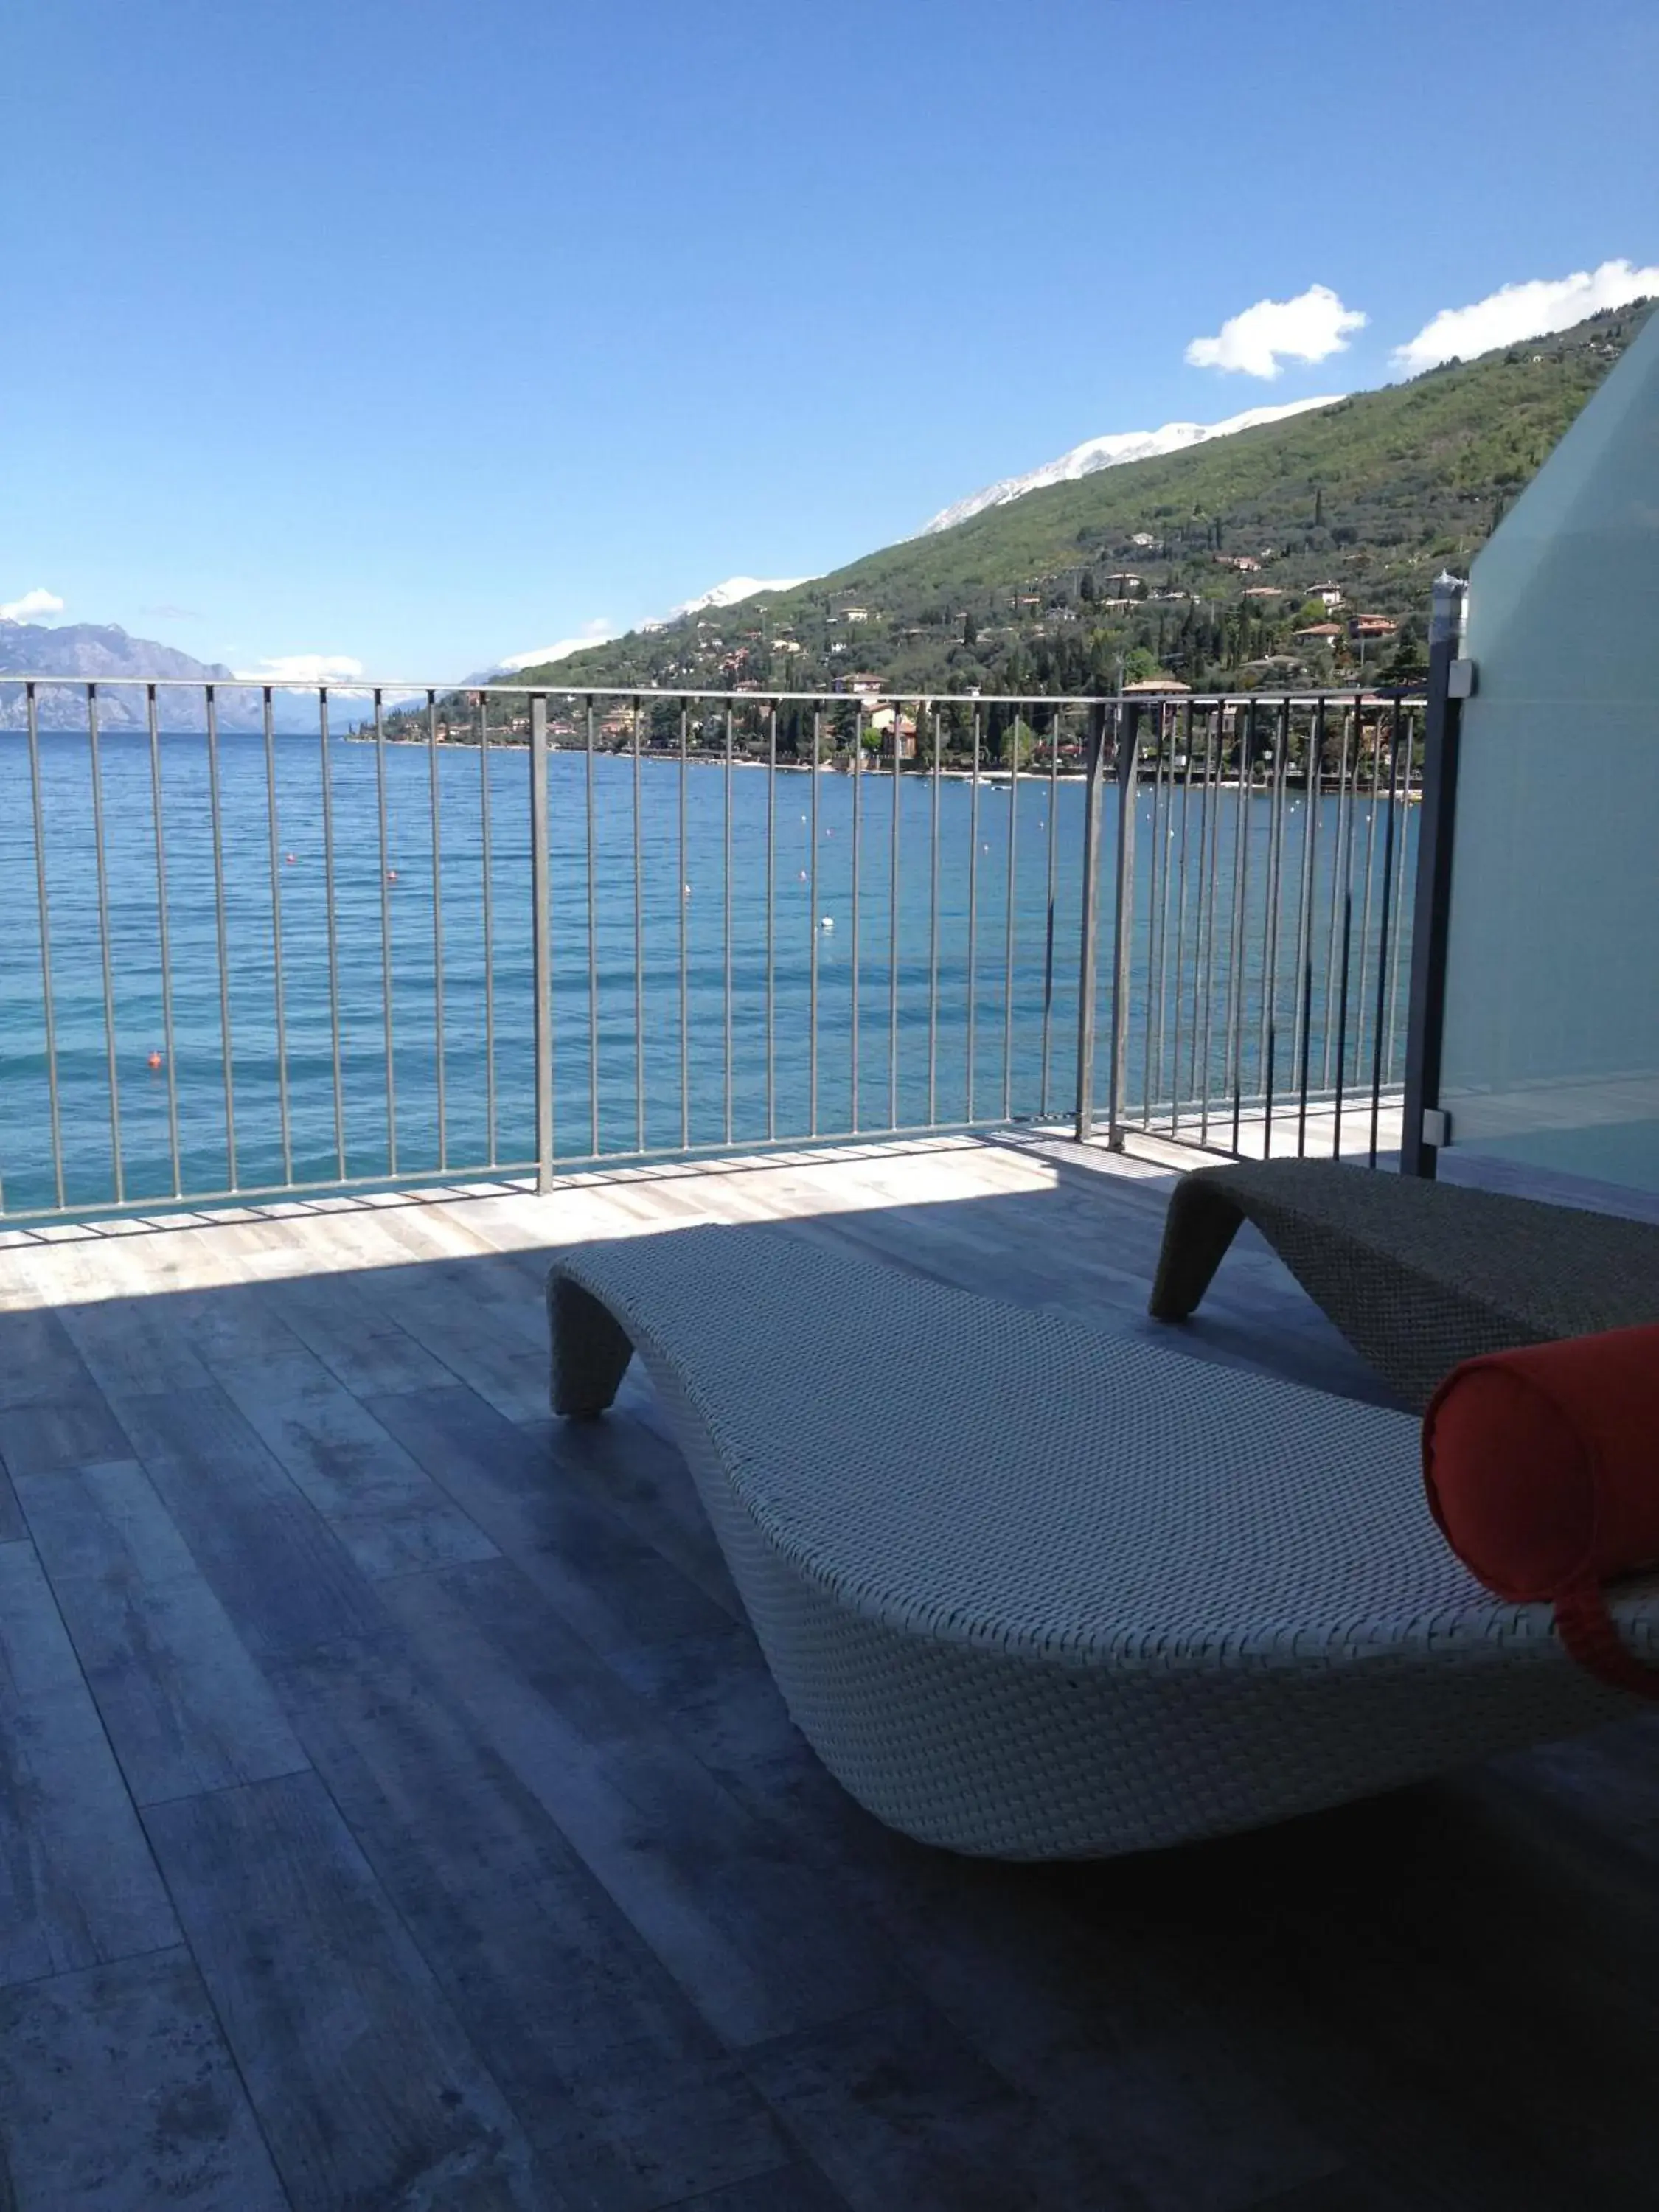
{"x": 104, "y": 653}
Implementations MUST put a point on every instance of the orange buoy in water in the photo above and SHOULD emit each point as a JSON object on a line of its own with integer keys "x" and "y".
{"x": 155, "y": 1060}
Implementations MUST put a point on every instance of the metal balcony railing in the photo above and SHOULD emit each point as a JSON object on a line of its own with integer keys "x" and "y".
{"x": 257, "y": 941}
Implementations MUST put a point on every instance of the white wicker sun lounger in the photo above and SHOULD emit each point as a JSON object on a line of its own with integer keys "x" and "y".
{"x": 1033, "y": 1591}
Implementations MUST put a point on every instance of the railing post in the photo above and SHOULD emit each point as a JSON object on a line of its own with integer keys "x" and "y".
{"x": 1123, "y": 922}
{"x": 1082, "y": 1125}
{"x": 541, "y": 933}
{"x": 1425, "y": 1013}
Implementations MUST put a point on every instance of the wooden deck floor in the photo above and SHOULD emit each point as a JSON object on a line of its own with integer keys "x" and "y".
{"x": 394, "y": 1811}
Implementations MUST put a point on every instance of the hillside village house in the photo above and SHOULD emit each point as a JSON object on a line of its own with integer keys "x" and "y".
{"x": 1328, "y": 595}
{"x": 883, "y": 722}
{"x": 1372, "y": 626}
{"x": 1318, "y": 634}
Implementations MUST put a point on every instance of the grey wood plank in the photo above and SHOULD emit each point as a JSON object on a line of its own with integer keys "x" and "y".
{"x": 385, "y": 1509}
{"x": 186, "y": 1707}
{"x": 611, "y": 2069}
{"x": 797, "y": 2187}
{"x": 37, "y": 1358}
{"x": 502, "y": 1366}
{"x": 11, "y": 1518}
{"x": 337, "y": 1320}
{"x": 757, "y": 1935}
{"x": 116, "y": 2094}
{"x": 611, "y": 1587}
{"x": 279, "y": 1571}
{"x": 368, "y": 2089}
{"x": 629, "y": 1466}
{"x": 73, "y": 1428}
{"x": 133, "y": 1344}
{"x": 897, "y": 2110}
{"x": 78, "y": 1886}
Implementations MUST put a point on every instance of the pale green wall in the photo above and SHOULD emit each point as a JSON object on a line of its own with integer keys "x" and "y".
{"x": 1551, "y": 1039}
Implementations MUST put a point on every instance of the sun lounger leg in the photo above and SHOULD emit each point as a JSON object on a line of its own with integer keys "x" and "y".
{"x": 591, "y": 1351}
{"x": 1201, "y": 1223}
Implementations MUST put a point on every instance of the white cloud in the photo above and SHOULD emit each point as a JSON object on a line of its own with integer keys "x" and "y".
{"x": 596, "y": 632}
{"x": 1259, "y": 341}
{"x": 34, "y": 603}
{"x": 1523, "y": 311}
{"x": 302, "y": 668}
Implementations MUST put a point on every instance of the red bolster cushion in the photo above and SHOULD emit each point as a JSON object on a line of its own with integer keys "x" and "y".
{"x": 1542, "y": 1471}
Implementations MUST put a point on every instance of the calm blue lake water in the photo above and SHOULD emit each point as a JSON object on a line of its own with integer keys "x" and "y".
{"x": 1002, "y": 1039}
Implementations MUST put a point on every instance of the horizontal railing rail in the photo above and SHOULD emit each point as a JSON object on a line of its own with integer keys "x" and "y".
{"x": 268, "y": 938}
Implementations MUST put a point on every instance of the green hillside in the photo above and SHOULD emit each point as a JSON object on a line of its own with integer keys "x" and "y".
{"x": 1371, "y": 496}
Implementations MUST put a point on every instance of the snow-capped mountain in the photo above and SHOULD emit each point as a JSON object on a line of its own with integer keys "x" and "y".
{"x": 1113, "y": 452}
{"x": 734, "y": 589}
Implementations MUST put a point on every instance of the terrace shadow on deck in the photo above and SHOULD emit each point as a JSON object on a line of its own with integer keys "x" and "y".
{"x": 395, "y": 1811}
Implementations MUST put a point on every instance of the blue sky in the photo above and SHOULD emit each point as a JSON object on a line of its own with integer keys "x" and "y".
{"x": 419, "y": 332}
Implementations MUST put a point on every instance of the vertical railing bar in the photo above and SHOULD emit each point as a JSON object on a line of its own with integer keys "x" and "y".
{"x": 48, "y": 1009}
{"x": 1163, "y": 828}
{"x": 685, "y": 883}
{"x": 592, "y": 944}
{"x": 1123, "y": 918}
{"x": 725, "y": 923}
{"x": 812, "y": 936}
{"x": 973, "y": 918}
{"x": 893, "y": 921}
{"x": 541, "y": 941}
{"x": 1385, "y": 921}
{"x": 440, "y": 1050}
{"x": 1009, "y": 934}
{"x": 1048, "y": 912}
{"x": 1362, "y": 1006}
{"x": 222, "y": 929}
{"x": 1269, "y": 1047}
{"x": 1343, "y": 892}
{"x": 771, "y": 917}
{"x": 333, "y": 926}
{"x": 164, "y": 947}
{"x": 858, "y": 811}
{"x": 1396, "y": 962}
{"x": 488, "y": 890}
{"x": 1209, "y": 892}
{"x": 1313, "y": 799}
{"x": 1342, "y": 1011}
{"x": 277, "y": 985}
{"x": 1150, "y": 997}
{"x": 639, "y": 947}
{"x": 932, "y": 934}
{"x": 1235, "y": 1044}
{"x": 110, "y": 1054}
{"x": 1186, "y": 726}
{"x": 386, "y": 941}
{"x": 1089, "y": 923}
{"x": 1341, "y": 875}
